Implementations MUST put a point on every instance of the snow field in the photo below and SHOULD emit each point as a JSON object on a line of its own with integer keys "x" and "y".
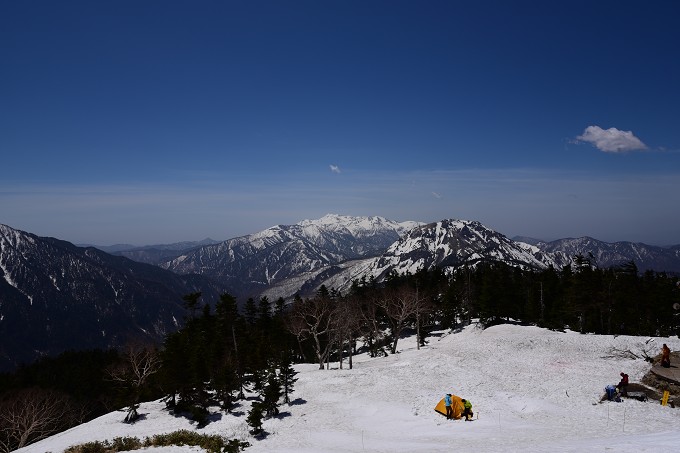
{"x": 532, "y": 389}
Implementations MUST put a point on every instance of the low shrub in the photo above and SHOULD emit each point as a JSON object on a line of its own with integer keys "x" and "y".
{"x": 211, "y": 443}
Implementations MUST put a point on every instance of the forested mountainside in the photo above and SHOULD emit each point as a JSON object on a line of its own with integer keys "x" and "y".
{"x": 55, "y": 296}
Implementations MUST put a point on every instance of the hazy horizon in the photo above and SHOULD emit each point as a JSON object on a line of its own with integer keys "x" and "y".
{"x": 160, "y": 122}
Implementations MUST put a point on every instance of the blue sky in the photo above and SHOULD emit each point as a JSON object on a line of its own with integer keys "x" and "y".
{"x": 150, "y": 122}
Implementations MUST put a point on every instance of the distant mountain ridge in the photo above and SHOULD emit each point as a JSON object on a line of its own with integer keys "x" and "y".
{"x": 56, "y": 296}
{"x": 250, "y": 264}
{"x": 334, "y": 250}
{"x": 450, "y": 244}
{"x": 608, "y": 254}
{"x": 153, "y": 254}
{"x": 447, "y": 244}
{"x": 183, "y": 245}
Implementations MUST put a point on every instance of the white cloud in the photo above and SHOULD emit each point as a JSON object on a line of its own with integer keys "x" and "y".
{"x": 611, "y": 140}
{"x": 436, "y": 195}
{"x": 334, "y": 168}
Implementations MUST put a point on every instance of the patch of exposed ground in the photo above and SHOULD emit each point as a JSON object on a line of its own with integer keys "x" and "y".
{"x": 654, "y": 385}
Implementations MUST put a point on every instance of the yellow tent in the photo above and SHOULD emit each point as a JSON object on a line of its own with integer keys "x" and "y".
{"x": 456, "y": 405}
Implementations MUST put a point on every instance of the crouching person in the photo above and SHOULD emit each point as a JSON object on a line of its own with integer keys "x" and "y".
{"x": 612, "y": 394}
{"x": 467, "y": 410}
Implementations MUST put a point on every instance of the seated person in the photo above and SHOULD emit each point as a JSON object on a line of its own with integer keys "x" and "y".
{"x": 623, "y": 384}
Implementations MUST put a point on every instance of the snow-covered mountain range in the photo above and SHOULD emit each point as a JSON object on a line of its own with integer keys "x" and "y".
{"x": 50, "y": 289}
{"x": 336, "y": 250}
{"x": 250, "y": 264}
{"x": 447, "y": 244}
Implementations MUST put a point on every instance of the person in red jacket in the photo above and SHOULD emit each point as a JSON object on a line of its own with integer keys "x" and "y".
{"x": 665, "y": 356}
{"x": 623, "y": 384}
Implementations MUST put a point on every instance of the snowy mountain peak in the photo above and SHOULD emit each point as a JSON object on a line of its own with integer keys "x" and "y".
{"x": 452, "y": 243}
{"x": 359, "y": 226}
{"x": 9, "y": 237}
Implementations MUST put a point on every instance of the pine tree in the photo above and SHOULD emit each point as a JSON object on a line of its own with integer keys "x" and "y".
{"x": 254, "y": 418}
{"x": 226, "y": 383}
{"x": 264, "y": 311}
{"x": 272, "y": 393}
{"x": 191, "y": 302}
{"x": 287, "y": 377}
{"x": 279, "y": 306}
{"x": 259, "y": 379}
{"x": 250, "y": 311}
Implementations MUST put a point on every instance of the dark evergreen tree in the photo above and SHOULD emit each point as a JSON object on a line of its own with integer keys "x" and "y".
{"x": 230, "y": 327}
{"x": 250, "y": 311}
{"x": 271, "y": 393}
{"x": 287, "y": 376}
{"x": 191, "y": 303}
{"x": 254, "y": 419}
{"x": 279, "y": 306}
{"x": 226, "y": 384}
{"x": 264, "y": 312}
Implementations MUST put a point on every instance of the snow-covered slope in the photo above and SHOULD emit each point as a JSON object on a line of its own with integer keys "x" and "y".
{"x": 533, "y": 390}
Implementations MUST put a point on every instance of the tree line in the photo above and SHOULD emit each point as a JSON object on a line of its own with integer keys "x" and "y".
{"x": 226, "y": 353}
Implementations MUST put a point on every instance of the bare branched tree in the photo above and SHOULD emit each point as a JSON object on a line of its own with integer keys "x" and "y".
{"x": 370, "y": 325}
{"x": 348, "y": 322}
{"x": 132, "y": 373}
{"x": 30, "y": 415}
{"x": 296, "y": 325}
{"x": 643, "y": 352}
{"x": 399, "y": 305}
{"x": 313, "y": 319}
